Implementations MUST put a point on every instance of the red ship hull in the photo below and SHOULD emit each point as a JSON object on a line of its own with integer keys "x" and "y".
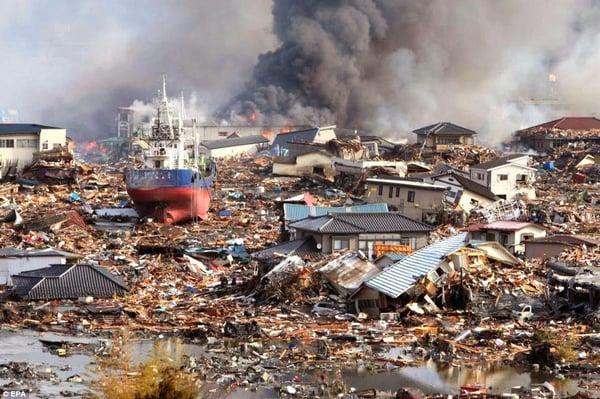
{"x": 171, "y": 204}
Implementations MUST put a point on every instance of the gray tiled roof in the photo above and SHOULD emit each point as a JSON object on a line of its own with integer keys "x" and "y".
{"x": 347, "y": 223}
{"x": 444, "y": 128}
{"x": 497, "y": 162}
{"x": 68, "y": 282}
{"x": 235, "y": 141}
{"x": 402, "y": 275}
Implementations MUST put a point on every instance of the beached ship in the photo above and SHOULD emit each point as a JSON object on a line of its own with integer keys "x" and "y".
{"x": 175, "y": 182}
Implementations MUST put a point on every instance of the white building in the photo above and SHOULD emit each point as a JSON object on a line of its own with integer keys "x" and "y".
{"x": 506, "y": 177}
{"x": 234, "y": 146}
{"x": 14, "y": 261}
{"x": 510, "y": 234}
{"x": 19, "y": 141}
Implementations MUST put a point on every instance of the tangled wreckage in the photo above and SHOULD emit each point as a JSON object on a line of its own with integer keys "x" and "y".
{"x": 290, "y": 273}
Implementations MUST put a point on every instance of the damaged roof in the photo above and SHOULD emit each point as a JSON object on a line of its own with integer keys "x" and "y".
{"x": 293, "y": 212}
{"x": 303, "y": 247}
{"x": 444, "y": 128}
{"x": 68, "y": 282}
{"x": 347, "y": 223}
{"x": 569, "y": 123}
{"x": 397, "y": 278}
{"x": 298, "y": 136}
{"x": 234, "y": 142}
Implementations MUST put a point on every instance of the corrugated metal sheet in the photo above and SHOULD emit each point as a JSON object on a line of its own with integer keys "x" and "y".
{"x": 293, "y": 212}
{"x": 348, "y": 272}
{"x": 399, "y": 277}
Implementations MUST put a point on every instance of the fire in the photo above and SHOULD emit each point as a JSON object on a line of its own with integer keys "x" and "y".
{"x": 253, "y": 116}
{"x": 89, "y": 146}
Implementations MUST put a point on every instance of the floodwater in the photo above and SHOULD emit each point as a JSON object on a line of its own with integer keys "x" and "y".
{"x": 24, "y": 346}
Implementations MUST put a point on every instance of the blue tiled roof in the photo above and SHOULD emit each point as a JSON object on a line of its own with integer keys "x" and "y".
{"x": 402, "y": 275}
{"x": 293, "y": 212}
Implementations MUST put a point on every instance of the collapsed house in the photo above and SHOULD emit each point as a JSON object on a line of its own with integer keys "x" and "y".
{"x": 397, "y": 279}
{"x": 423, "y": 273}
{"x": 576, "y": 283}
{"x": 561, "y": 132}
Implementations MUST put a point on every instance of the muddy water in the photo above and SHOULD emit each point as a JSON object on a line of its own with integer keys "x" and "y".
{"x": 24, "y": 346}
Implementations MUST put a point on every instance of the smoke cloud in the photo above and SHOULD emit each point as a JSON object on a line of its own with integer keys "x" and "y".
{"x": 390, "y": 66}
{"x": 386, "y": 66}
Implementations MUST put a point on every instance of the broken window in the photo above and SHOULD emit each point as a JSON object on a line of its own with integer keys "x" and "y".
{"x": 391, "y": 192}
{"x": 410, "y": 196}
{"x": 397, "y": 191}
{"x": 480, "y": 176}
{"x": 380, "y": 190}
{"x": 502, "y": 177}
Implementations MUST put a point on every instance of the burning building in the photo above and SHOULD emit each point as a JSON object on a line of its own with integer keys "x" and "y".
{"x": 559, "y": 132}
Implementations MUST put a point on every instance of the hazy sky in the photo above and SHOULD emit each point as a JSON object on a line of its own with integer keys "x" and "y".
{"x": 73, "y": 62}
{"x": 387, "y": 66}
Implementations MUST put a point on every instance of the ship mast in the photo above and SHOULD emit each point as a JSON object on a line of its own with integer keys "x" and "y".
{"x": 165, "y": 104}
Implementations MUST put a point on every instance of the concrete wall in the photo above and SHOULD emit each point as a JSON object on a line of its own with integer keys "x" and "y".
{"x": 425, "y": 199}
{"x": 544, "y": 250}
{"x": 53, "y": 138}
{"x": 10, "y": 266}
{"x": 305, "y": 165}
